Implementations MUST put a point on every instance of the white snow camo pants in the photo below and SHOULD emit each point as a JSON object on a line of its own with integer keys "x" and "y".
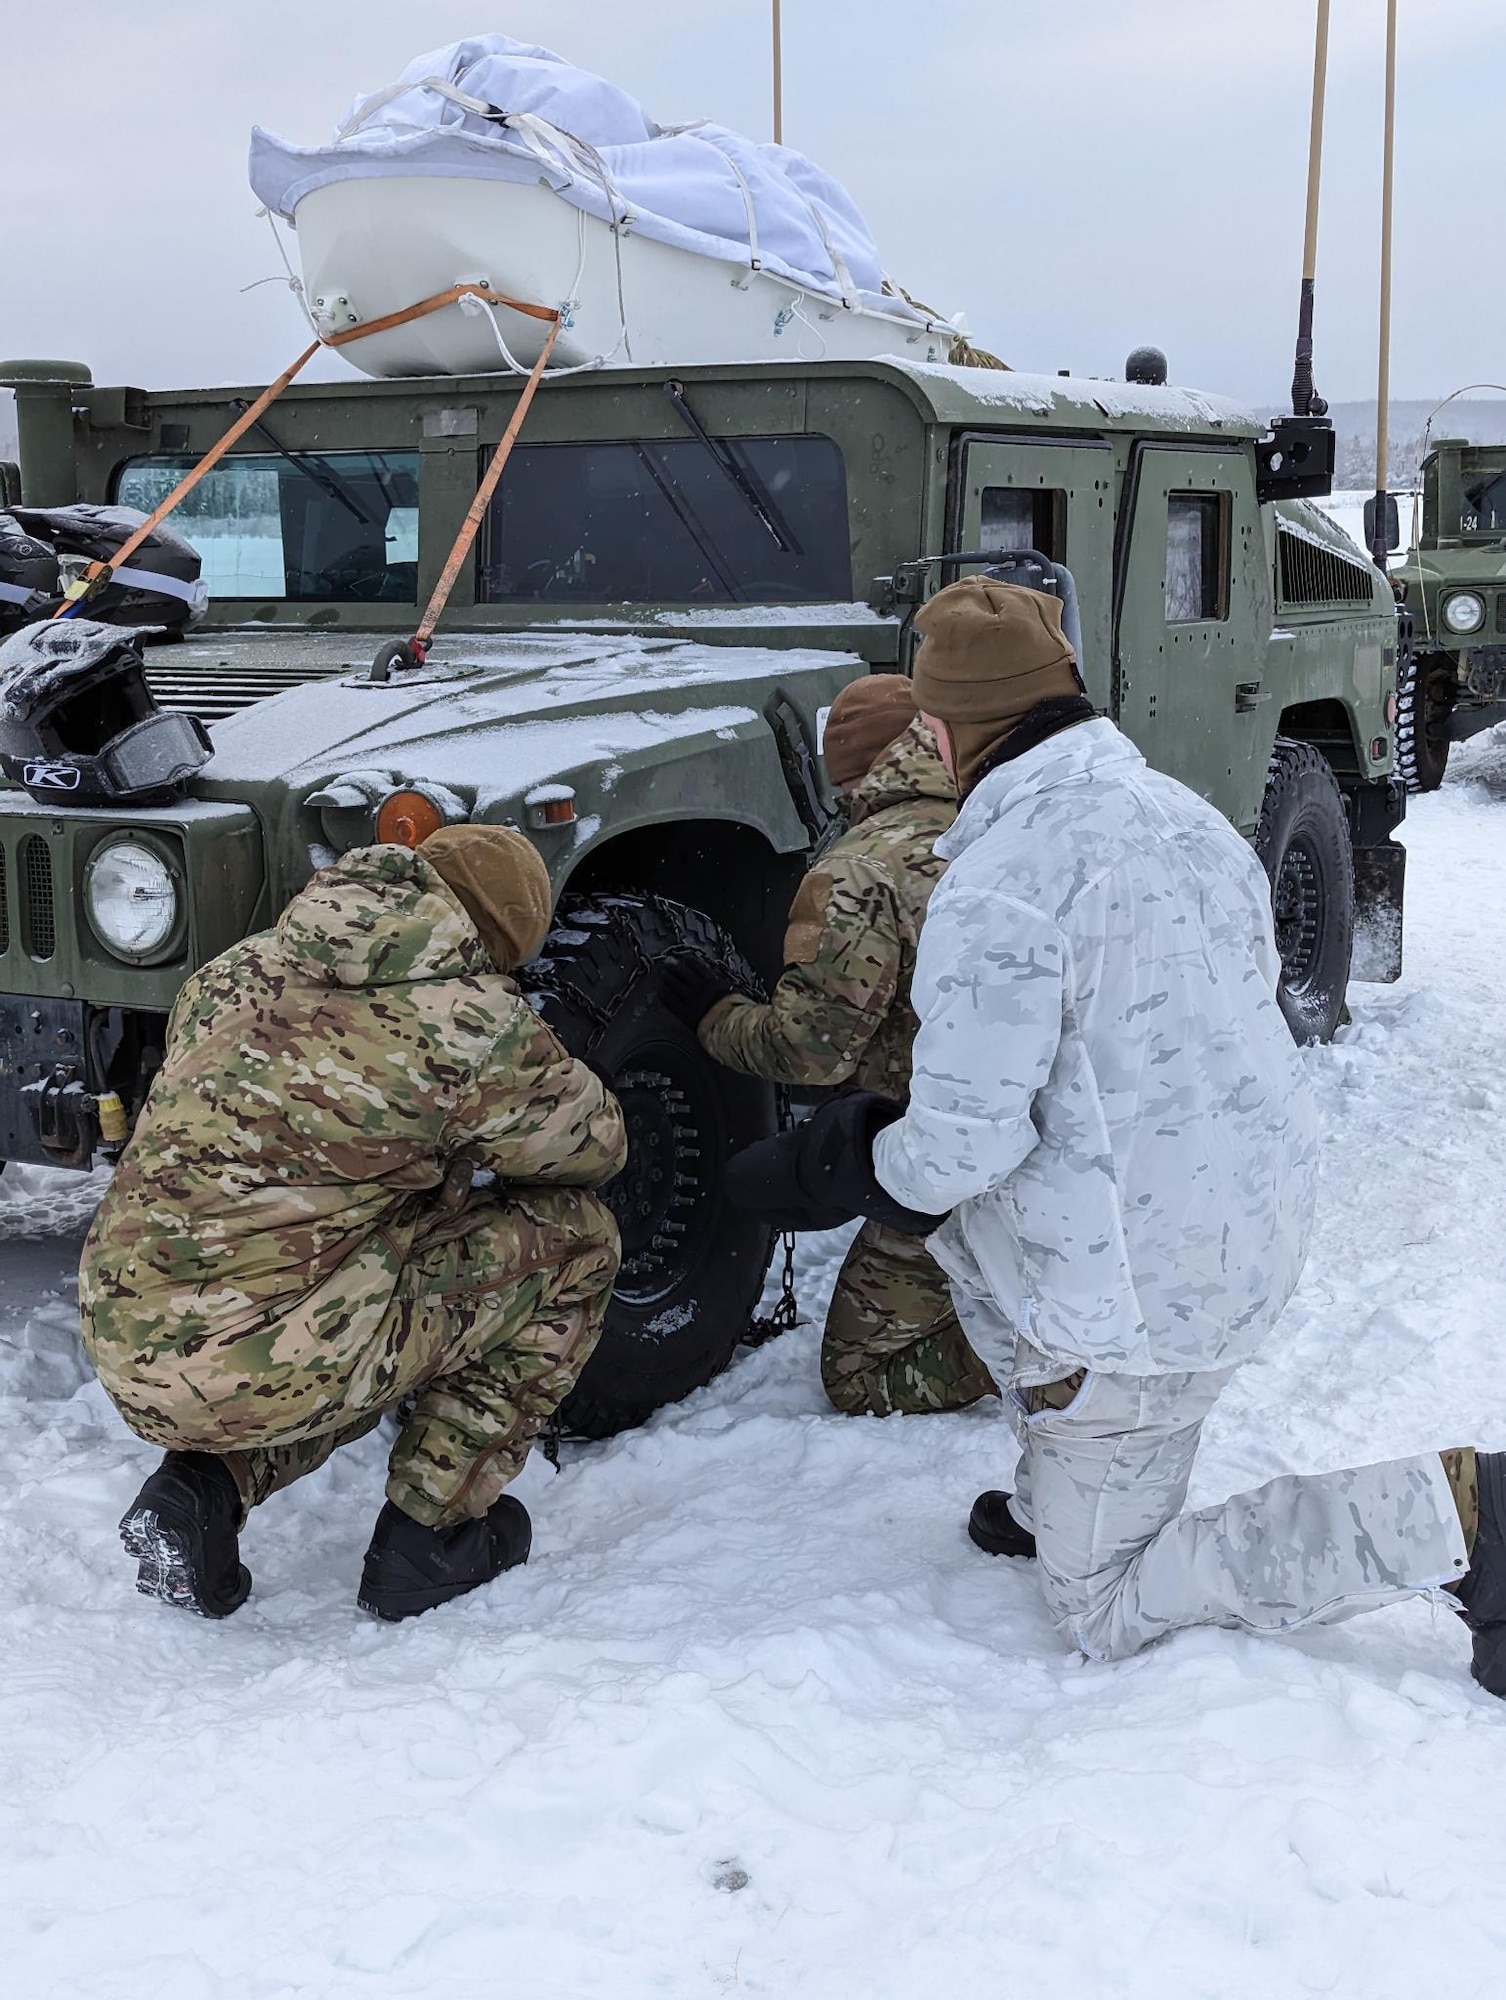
{"x": 1102, "y": 1484}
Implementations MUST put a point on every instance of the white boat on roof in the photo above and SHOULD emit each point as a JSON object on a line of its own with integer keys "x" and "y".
{"x": 495, "y": 161}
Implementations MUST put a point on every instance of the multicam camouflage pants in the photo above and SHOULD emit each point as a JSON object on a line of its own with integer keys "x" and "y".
{"x": 494, "y": 1320}
{"x": 1103, "y": 1480}
{"x": 892, "y": 1344}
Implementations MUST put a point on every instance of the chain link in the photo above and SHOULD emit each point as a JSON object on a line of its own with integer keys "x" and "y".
{"x": 786, "y": 1314}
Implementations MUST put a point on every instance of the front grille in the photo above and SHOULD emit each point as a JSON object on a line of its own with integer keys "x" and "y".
{"x": 4, "y": 909}
{"x": 1313, "y": 575}
{"x": 39, "y": 929}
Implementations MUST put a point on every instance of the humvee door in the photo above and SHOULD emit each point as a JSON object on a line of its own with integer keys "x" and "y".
{"x": 1057, "y": 498}
{"x": 1192, "y": 622}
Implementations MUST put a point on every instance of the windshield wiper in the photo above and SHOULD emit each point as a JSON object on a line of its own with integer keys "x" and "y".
{"x": 747, "y": 482}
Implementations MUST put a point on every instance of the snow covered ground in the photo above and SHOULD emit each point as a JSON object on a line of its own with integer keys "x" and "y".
{"x": 757, "y": 1718}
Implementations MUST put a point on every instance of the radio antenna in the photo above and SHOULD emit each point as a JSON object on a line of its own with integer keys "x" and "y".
{"x": 778, "y": 78}
{"x": 1306, "y": 402}
{"x": 1380, "y": 539}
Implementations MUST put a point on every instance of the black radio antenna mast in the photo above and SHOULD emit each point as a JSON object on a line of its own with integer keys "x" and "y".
{"x": 1306, "y": 402}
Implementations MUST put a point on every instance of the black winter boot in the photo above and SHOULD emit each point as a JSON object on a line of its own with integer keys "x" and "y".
{"x": 1481, "y": 1591}
{"x": 410, "y": 1568}
{"x": 182, "y": 1529}
{"x": 995, "y": 1529}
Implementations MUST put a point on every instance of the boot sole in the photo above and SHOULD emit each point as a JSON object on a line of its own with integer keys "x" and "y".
{"x": 165, "y": 1567}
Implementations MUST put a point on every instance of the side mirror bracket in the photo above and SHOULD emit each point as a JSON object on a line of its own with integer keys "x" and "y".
{"x": 1296, "y": 461}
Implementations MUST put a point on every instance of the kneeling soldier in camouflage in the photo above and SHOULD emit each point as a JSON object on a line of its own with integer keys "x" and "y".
{"x": 293, "y": 1245}
{"x": 841, "y": 1014}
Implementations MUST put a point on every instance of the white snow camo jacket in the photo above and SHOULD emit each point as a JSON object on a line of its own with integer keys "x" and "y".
{"x": 1106, "y": 1094}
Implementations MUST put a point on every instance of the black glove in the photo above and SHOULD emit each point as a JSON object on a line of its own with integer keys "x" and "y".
{"x": 690, "y": 986}
{"x": 823, "y": 1170}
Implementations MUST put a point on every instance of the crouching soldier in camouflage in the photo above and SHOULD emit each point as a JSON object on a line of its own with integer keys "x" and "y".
{"x": 841, "y": 1014}
{"x": 297, "y": 1240}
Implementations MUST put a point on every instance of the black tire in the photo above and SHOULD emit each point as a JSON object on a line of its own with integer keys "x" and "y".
{"x": 1303, "y": 842}
{"x": 1425, "y": 693}
{"x": 692, "y": 1266}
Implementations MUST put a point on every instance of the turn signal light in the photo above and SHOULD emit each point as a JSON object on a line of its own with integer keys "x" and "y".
{"x": 406, "y": 819}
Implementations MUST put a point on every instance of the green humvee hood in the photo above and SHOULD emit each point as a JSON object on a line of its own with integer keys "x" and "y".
{"x": 379, "y": 917}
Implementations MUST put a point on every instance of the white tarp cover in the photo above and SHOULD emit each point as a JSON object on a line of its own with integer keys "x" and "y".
{"x": 691, "y": 186}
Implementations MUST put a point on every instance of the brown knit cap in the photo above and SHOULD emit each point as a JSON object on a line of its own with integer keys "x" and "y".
{"x": 866, "y": 717}
{"x": 502, "y": 884}
{"x": 991, "y": 651}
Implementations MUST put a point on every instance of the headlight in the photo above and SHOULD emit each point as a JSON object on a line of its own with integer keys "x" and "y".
{"x": 1464, "y": 611}
{"x": 131, "y": 897}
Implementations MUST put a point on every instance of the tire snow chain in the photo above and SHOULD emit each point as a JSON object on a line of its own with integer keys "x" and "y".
{"x": 786, "y": 1314}
{"x": 1408, "y": 721}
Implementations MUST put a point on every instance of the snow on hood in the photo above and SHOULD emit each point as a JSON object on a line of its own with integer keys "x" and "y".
{"x": 380, "y": 916}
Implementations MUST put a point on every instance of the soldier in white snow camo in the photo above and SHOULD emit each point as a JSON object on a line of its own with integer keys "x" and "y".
{"x": 1108, "y": 1101}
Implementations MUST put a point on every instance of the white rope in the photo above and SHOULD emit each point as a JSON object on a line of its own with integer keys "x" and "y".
{"x": 293, "y": 282}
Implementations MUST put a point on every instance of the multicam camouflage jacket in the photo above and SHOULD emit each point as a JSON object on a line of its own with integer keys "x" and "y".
{"x": 323, "y": 1082}
{"x": 842, "y": 1009}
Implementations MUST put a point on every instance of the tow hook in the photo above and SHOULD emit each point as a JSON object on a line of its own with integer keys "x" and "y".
{"x": 64, "y": 1111}
{"x": 73, "y": 1123}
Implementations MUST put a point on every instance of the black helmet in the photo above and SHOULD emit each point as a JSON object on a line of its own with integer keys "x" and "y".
{"x": 29, "y": 578}
{"x": 78, "y": 722}
{"x": 159, "y": 585}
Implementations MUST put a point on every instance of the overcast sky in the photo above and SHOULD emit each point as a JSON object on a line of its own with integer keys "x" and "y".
{"x": 1079, "y": 175}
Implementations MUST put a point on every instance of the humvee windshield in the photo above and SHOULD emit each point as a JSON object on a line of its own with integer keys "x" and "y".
{"x": 756, "y": 520}
{"x": 310, "y": 525}
{"x": 1484, "y": 508}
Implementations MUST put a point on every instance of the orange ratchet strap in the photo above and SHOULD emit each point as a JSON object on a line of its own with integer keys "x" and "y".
{"x": 98, "y": 574}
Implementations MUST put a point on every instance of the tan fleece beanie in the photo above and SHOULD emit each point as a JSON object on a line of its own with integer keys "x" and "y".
{"x": 502, "y": 884}
{"x": 866, "y": 717}
{"x": 990, "y": 652}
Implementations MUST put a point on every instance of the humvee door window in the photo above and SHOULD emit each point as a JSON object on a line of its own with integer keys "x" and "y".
{"x": 311, "y": 526}
{"x": 1021, "y": 517}
{"x": 1197, "y": 561}
{"x": 748, "y": 521}
{"x": 1485, "y": 505}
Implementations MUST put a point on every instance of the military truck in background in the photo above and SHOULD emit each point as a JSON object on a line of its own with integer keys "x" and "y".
{"x": 1452, "y": 582}
{"x": 678, "y": 572}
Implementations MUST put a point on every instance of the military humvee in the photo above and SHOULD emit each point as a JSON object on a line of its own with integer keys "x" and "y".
{"x": 1453, "y": 583}
{"x": 677, "y": 574}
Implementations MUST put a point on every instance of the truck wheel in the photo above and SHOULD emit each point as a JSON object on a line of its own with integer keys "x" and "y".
{"x": 692, "y": 1267}
{"x": 1425, "y": 692}
{"x": 1303, "y": 840}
